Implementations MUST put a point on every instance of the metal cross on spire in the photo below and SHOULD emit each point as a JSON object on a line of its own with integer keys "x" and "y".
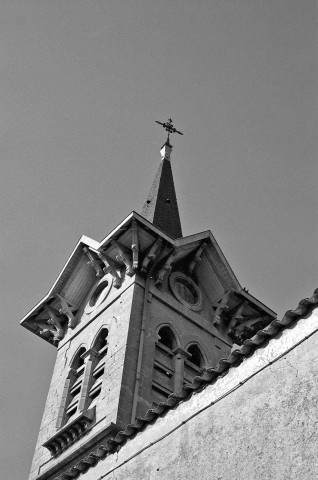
{"x": 169, "y": 127}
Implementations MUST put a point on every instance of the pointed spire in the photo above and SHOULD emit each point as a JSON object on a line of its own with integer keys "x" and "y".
{"x": 161, "y": 207}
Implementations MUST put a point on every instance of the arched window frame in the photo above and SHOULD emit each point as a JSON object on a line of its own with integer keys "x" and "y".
{"x": 175, "y": 338}
{"x": 99, "y": 352}
{"x": 191, "y": 369}
{"x": 164, "y": 369}
{"x": 84, "y": 383}
{"x": 200, "y": 351}
{"x": 72, "y": 388}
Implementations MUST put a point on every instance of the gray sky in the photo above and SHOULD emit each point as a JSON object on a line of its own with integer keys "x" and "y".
{"x": 82, "y": 83}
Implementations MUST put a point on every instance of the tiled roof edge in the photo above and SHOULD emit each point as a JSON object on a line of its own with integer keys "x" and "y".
{"x": 304, "y": 309}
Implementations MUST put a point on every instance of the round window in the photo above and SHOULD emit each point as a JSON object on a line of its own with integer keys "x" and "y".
{"x": 185, "y": 290}
{"x": 98, "y": 294}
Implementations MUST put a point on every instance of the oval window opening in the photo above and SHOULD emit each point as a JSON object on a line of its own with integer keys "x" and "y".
{"x": 186, "y": 290}
{"x": 97, "y": 293}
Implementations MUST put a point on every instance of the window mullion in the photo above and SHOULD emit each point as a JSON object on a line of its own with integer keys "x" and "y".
{"x": 61, "y": 412}
{"x": 87, "y": 378}
{"x": 64, "y": 399}
{"x": 179, "y": 357}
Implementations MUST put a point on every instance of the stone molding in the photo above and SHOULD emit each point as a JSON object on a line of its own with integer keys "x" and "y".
{"x": 70, "y": 433}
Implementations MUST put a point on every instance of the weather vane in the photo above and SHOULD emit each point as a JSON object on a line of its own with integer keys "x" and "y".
{"x": 169, "y": 127}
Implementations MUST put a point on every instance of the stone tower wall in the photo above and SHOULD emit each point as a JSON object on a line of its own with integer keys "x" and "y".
{"x": 126, "y": 391}
{"x": 116, "y": 318}
{"x": 257, "y": 422}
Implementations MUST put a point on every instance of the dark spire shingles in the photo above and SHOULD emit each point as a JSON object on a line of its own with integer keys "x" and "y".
{"x": 161, "y": 207}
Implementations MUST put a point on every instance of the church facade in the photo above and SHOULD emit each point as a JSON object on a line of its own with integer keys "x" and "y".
{"x": 148, "y": 326}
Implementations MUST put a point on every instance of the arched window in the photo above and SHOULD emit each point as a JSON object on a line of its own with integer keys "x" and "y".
{"x": 164, "y": 365}
{"x": 196, "y": 355}
{"x": 99, "y": 348}
{"x": 84, "y": 382}
{"x": 167, "y": 338}
{"x": 193, "y": 364}
{"x": 75, "y": 382}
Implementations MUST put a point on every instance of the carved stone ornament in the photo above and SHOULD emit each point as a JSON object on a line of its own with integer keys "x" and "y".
{"x": 68, "y": 308}
{"x": 122, "y": 256}
{"x": 247, "y": 327}
{"x": 52, "y": 326}
{"x": 69, "y": 434}
{"x": 237, "y": 318}
{"x": 238, "y": 323}
{"x": 197, "y": 258}
{"x": 221, "y": 307}
{"x": 93, "y": 262}
{"x": 112, "y": 267}
{"x": 186, "y": 291}
{"x": 59, "y": 320}
{"x": 152, "y": 255}
{"x": 91, "y": 459}
{"x": 135, "y": 245}
{"x": 167, "y": 267}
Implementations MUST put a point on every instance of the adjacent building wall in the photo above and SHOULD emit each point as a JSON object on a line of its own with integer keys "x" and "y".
{"x": 257, "y": 422}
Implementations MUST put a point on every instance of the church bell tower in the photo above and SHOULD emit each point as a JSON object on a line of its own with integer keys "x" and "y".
{"x": 133, "y": 318}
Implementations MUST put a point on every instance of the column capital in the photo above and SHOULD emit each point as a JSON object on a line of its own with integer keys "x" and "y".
{"x": 90, "y": 353}
{"x": 181, "y": 353}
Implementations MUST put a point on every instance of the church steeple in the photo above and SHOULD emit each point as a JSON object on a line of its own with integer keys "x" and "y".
{"x": 161, "y": 206}
{"x": 135, "y": 319}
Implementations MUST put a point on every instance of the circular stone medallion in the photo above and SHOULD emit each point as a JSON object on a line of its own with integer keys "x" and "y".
{"x": 185, "y": 290}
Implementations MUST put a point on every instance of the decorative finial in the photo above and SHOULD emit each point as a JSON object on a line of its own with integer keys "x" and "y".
{"x": 169, "y": 128}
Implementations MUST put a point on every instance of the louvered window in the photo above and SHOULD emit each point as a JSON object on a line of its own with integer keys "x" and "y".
{"x": 163, "y": 370}
{"x": 193, "y": 364}
{"x": 76, "y": 382}
{"x": 101, "y": 347}
{"x": 196, "y": 355}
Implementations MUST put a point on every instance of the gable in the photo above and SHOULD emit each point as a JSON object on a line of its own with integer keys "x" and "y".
{"x": 137, "y": 246}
